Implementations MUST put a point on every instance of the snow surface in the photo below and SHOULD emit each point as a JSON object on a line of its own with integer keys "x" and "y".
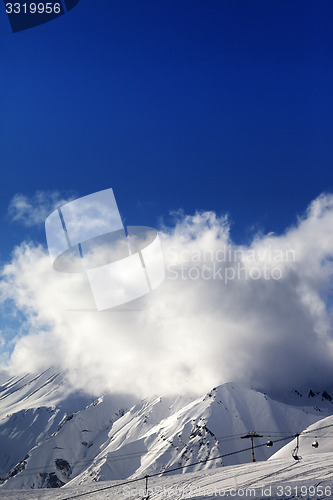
{"x": 274, "y": 479}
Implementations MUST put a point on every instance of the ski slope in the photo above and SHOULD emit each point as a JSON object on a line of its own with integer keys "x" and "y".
{"x": 273, "y": 479}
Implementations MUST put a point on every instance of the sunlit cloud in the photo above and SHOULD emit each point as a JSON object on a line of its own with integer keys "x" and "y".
{"x": 258, "y": 314}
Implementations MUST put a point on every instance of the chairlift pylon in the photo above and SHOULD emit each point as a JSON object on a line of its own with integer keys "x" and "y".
{"x": 294, "y": 453}
{"x": 146, "y": 495}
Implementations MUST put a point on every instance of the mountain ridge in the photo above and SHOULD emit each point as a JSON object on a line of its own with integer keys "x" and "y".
{"x": 74, "y": 439}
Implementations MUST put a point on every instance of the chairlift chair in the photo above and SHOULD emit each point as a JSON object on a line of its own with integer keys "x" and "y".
{"x": 315, "y": 444}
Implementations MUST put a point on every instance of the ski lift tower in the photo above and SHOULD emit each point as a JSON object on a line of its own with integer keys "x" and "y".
{"x": 252, "y": 435}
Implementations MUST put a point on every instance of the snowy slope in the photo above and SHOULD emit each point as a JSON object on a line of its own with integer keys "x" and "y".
{"x": 273, "y": 479}
{"x": 31, "y": 409}
{"x": 69, "y": 449}
{"x": 322, "y": 431}
{"x": 99, "y": 442}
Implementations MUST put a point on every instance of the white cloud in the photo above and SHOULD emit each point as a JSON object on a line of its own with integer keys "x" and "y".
{"x": 198, "y": 329}
{"x": 31, "y": 211}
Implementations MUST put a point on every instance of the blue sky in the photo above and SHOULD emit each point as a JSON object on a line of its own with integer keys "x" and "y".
{"x": 215, "y": 105}
{"x": 218, "y": 105}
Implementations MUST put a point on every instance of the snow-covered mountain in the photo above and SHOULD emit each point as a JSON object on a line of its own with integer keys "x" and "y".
{"x": 32, "y": 409}
{"x": 318, "y": 399}
{"x": 50, "y": 436}
{"x": 142, "y": 442}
